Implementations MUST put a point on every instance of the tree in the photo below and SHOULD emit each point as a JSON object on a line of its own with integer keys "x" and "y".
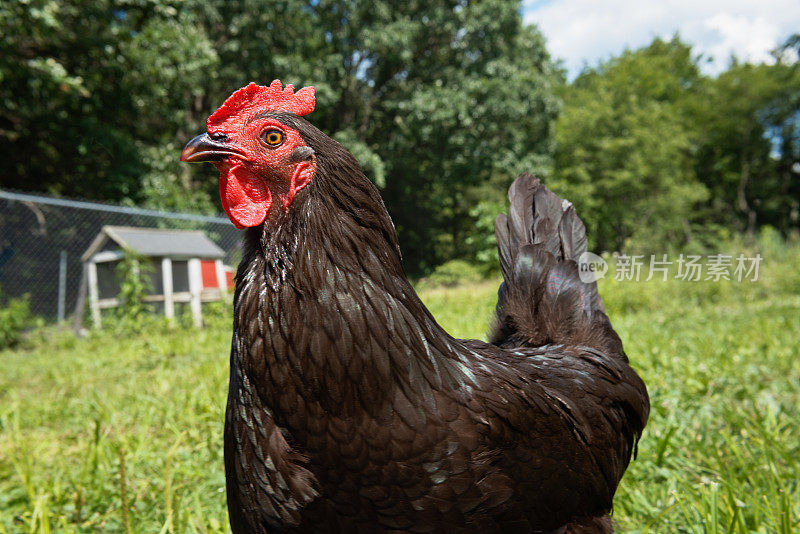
{"x": 453, "y": 95}
{"x": 749, "y": 145}
{"x": 624, "y": 148}
{"x": 91, "y": 89}
{"x": 434, "y": 98}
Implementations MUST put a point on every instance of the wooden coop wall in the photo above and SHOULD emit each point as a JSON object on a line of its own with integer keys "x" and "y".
{"x": 169, "y": 281}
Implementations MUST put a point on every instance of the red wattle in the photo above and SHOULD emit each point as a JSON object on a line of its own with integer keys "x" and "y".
{"x": 245, "y": 197}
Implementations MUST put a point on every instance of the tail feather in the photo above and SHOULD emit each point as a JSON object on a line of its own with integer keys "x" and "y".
{"x": 573, "y": 242}
{"x": 543, "y": 299}
{"x": 520, "y": 217}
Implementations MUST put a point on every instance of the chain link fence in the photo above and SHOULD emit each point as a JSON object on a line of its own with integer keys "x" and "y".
{"x": 42, "y": 240}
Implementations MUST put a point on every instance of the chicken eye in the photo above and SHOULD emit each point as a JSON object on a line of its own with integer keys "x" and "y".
{"x": 272, "y": 138}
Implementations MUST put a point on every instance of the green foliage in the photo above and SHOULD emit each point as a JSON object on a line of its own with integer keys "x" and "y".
{"x": 438, "y": 97}
{"x": 15, "y": 318}
{"x": 167, "y": 185}
{"x": 452, "y": 273}
{"x": 89, "y": 86}
{"x": 748, "y": 146}
{"x": 133, "y": 272}
{"x": 434, "y": 98}
{"x": 658, "y": 157}
{"x": 719, "y": 453}
{"x": 776, "y": 276}
{"x": 624, "y": 149}
{"x": 371, "y": 163}
{"x": 442, "y": 102}
{"x": 480, "y": 242}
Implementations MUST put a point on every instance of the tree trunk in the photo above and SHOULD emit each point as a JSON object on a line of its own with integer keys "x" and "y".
{"x": 741, "y": 189}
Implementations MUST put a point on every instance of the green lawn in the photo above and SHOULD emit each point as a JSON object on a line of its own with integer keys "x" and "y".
{"x": 89, "y": 425}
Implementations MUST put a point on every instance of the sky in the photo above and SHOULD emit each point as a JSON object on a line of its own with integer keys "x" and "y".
{"x": 584, "y": 32}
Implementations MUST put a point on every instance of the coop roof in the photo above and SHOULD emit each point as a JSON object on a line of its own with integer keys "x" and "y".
{"x": 156, "y": 242}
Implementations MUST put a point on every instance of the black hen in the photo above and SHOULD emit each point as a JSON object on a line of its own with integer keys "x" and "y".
{"x": 351, "y": 410}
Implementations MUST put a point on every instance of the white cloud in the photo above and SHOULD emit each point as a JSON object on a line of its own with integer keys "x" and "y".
{"x": 586, "y": 31}
{"x": 751, "y": 39}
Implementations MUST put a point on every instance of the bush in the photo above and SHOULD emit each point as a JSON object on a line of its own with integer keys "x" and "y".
{"x": 134, "y": 275}
{"x": 15, "y": 318}
{"x": 778, "y": 277}
{"x": 454, "y": 272}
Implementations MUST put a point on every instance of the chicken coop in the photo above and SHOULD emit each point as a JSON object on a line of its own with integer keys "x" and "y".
{"x": 179, "y": 267}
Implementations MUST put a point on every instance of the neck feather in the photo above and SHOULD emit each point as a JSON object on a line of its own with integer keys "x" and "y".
{"x": 325, "y": 313}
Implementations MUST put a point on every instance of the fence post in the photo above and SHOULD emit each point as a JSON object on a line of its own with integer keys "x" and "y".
{"x": 94, "y": 295}
{"x": 62, "y": 285}
{"x": 222, "y": 280}
{"x": 166, "y": 283}
{"x": 80, "y": 304}
{"x": 195, "y": 287}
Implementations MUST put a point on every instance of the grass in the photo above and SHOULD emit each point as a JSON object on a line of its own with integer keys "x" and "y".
{"x": 121, "y": 432}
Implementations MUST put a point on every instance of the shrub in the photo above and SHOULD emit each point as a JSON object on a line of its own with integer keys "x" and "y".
{"x": 15, "y": 318}
{"x": 134, "y": 273}
{"x": 454, "y": 272}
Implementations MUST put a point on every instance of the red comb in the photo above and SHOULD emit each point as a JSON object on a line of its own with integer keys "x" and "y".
{"x": 257, "y": 98}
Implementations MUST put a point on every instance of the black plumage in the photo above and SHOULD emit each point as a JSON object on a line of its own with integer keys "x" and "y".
{"x": 351, "y": 410}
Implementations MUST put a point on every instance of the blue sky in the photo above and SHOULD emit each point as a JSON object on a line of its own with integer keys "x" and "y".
{"x": 587, "y": 31}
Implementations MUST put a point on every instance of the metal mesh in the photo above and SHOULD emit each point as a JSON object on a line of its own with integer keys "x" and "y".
{"x": 39, "y": 236}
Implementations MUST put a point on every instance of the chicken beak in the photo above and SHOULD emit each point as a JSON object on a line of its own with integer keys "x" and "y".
{"x": 205, "y": 148}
